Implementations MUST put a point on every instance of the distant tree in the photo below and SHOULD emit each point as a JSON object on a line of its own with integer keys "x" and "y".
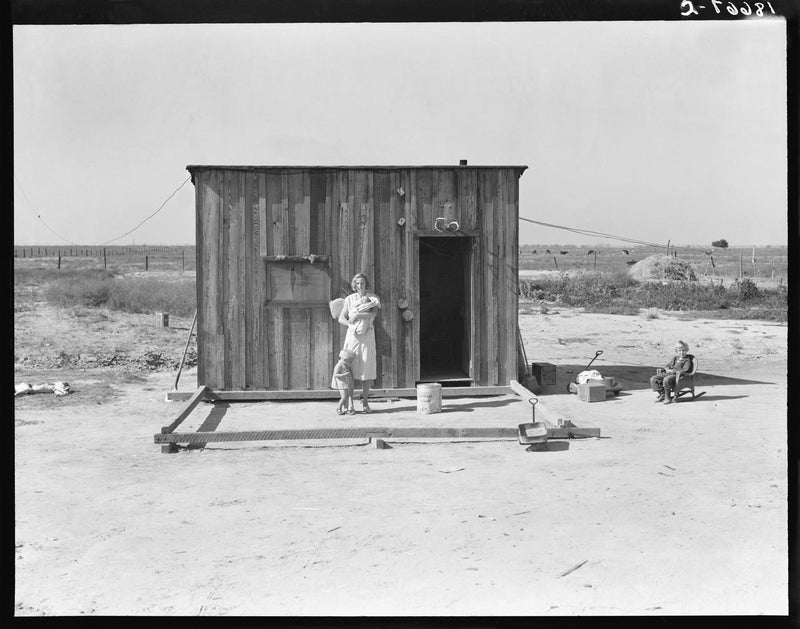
{"x": 722, "y": 243}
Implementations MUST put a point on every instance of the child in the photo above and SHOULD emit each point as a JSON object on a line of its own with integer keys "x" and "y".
{"x": 665, "y": 382}
{"x": 342, "y": 380}
{"x": 365, "y": 305}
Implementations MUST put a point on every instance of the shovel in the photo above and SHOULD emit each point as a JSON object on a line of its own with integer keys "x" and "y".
{"x": 534, "y": 434}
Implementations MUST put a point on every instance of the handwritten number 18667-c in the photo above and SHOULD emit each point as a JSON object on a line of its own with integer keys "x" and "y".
{"x": 759, "y": 9}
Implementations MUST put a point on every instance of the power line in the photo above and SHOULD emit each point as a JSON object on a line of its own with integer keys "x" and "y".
{"x": 39, "y": 216}
{"x": 588, "y": 232}
{"x": 152, "y": 215}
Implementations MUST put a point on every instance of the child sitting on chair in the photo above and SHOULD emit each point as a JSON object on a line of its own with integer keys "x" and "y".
{"x": 665, "y": 381}
{"x": 365, "y": 305}
{"x": 342, "y": 380}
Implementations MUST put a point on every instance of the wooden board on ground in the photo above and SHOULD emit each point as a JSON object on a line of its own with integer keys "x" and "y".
{"x": 425, "y": 432}
{"x": 331, "y": 394}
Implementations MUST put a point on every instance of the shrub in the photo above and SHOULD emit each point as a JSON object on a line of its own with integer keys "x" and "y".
{"x": 618, "y": 294}
{"x": 79, "y": 289}
{"x": 622, "y": 309}
{"x": 23, "y": 276}
{"x": 143, "y": 295}
{"x": 135, "y": 295}
{"x": 747, "y": 289}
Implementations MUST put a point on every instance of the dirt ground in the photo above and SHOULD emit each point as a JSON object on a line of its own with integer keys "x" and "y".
{"x": 675, "y": 510}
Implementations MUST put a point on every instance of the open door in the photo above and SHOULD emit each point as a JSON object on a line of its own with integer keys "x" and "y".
{"x": 444, "y": 307}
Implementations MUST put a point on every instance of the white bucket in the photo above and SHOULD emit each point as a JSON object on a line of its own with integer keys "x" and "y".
{"x": 429, "y": 398}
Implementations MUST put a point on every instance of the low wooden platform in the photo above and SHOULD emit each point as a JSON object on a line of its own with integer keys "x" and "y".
{"x": 505, "y": 427}
{"x": 330, "y": 394}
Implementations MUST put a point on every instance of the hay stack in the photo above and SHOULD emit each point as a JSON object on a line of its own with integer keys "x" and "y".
{"x": 660, "y": 268}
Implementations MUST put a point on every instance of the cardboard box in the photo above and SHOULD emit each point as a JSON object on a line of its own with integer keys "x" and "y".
{"x": 592, "y": 391}
{"x": 545, "y": 373}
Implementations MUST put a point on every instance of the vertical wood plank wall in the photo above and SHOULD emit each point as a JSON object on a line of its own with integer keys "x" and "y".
{"x": 351, "y": 215}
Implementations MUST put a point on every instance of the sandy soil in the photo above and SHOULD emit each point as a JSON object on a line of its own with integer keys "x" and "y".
{"x": 677, "y": 509}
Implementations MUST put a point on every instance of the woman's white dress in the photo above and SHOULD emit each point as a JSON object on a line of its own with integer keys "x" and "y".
{"x": 364, "y": 365}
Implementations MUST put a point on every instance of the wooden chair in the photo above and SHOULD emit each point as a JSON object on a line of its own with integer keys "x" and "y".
{"x": 685, "y": 382}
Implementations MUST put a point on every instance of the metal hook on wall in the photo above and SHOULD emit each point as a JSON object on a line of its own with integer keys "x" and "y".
{"x": 441, "y": 224}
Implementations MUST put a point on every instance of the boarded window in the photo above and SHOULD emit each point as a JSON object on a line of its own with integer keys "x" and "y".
{"x": 298, "y": 283}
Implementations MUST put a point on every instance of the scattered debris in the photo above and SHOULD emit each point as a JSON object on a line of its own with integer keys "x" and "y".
{"x": 670, "y": 468}
{"x": 148, "y": 361}
{"x": 573, "y": 568}
{"x": 449, "y": 470}
{"x": 335, "y": 528}
{"x": 59, "y": 388}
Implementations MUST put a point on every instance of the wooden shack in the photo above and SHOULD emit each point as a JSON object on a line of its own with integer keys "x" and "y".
{"x": 275, "y": 244}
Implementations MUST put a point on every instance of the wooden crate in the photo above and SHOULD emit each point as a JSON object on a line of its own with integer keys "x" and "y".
{"x": 545, "y": 373}
{"x": 592, "y": 392}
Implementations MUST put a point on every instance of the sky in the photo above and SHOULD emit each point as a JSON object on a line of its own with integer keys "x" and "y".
{"x": 654, "y": 131}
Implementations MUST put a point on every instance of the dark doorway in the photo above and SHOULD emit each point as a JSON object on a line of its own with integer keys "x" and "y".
{"x": 444, "y": 264}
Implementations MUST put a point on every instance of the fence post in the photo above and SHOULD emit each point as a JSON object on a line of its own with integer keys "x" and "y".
{"x": 594, "y": 268}
{"x": 741, "y": 267}
{"x": 59, "y": 259}
{"x": 146, "y": 264}
{"x": 105, "y": 263}
{"x": 183, "y": 260}
{"x": 555, "y": 262}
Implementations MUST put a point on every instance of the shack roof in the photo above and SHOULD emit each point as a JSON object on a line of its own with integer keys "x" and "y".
{"x": 192, "y": 168}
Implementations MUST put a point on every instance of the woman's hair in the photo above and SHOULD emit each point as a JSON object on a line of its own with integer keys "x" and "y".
{"x": 346, "y": 354}
{"x": 681, "y": 345}
{"x": 357, "y": 276}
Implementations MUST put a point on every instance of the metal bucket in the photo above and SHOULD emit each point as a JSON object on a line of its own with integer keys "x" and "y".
{"x": 429, "y": 398}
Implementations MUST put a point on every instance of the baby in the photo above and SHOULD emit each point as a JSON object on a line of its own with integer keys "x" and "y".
{"x": 365, "y": 305}
{"x": 342, "y": 380}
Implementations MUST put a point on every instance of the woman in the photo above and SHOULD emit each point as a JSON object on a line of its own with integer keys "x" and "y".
{"x": 358, "y": 314}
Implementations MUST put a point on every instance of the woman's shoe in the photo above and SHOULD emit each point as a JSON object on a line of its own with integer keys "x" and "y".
{"x": 351, "y": 411}
{"x": 660, "y": 397}
{"x": 668, "y": 400}
{"x": 340, "y": 411}
{"x": 366, "y": 408}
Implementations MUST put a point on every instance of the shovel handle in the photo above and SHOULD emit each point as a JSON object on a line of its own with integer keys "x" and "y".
{"x": 596, "y": 354}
